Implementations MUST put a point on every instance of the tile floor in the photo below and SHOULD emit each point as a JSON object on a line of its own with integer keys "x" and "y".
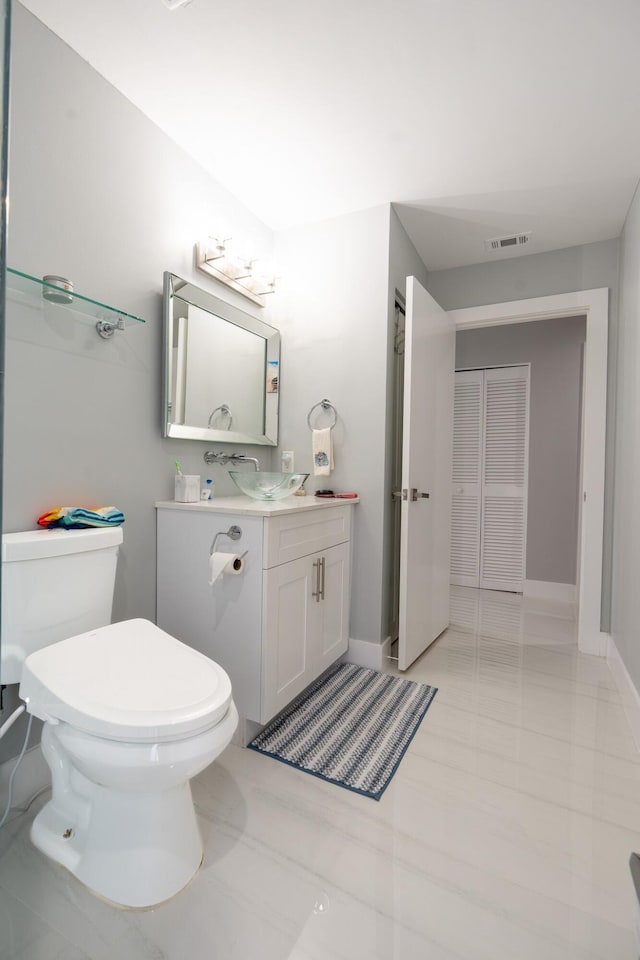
{"x": 504, "y": 834}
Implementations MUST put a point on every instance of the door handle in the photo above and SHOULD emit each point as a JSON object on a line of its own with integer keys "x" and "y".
{"x": 317, "y": 593}
{"x": 322, "y": 576}
{"x": 415, "y": 495}
{"x": 400, "y": 494}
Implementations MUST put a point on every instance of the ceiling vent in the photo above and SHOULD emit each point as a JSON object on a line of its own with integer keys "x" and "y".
{"x": 503, "y": 243}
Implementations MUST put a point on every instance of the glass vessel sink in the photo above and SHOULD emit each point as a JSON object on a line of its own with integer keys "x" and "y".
{"x": 263, "y": 485}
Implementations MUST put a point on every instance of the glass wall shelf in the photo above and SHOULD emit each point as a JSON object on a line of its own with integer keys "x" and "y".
{"x": 30, "y": 290}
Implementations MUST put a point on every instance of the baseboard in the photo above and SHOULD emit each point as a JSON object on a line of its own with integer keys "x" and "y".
{"x": 546, "y": 590}
{"x": 365, "y": 654}
{"x": 33, "y": 775}
{"x": 246, "y": 731}
{"x": 386, "y": 652}
{"x": 628, "y": 692}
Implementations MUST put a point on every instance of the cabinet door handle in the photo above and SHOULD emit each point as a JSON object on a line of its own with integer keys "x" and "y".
{"x": 318, "y": 592}
{"x": 322, "y": 570}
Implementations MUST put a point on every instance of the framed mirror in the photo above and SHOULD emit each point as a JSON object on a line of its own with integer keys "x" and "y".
{"x": 221, "y": 369}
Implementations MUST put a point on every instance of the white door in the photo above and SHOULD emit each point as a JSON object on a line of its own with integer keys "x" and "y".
{"x": 466, "y": 493}
{"x": 425, "y": 526}
{"x": 489, "y": 478}
{"x": 505, "y": 473}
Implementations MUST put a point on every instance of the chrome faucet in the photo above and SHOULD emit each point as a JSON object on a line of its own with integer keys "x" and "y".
{"x": 211, "y": 456}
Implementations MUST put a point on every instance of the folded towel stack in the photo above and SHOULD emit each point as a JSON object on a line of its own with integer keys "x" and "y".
{"x": 77, "y": 518}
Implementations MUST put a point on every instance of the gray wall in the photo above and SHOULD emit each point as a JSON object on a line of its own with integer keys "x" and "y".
{"x": 333, "y": 316}
{"x": 338, "y": 343}
{"x": 560, "y": 271}
{"x": 553, "y": 348}
{"x": 626, "y": 555}
{"x": 100, "y": 195}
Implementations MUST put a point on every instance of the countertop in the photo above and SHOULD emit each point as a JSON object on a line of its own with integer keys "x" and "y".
{"x": 257, "y": 508}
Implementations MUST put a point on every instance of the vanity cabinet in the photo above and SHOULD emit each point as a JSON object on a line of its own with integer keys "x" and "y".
{"x": 285, "y": 619}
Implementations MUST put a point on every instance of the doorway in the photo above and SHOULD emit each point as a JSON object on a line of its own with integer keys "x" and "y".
{"x": 594, "y": 305}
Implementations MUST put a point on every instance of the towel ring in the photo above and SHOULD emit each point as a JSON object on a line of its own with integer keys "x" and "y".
{"x": 326, "y": 405}
{"x": 224, "y": 409}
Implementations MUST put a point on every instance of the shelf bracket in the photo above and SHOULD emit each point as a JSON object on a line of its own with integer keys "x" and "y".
{"x": 107, "y": 328}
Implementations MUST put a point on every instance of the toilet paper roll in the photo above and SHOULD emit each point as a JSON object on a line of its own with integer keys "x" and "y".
{"x": 224, "y": 563}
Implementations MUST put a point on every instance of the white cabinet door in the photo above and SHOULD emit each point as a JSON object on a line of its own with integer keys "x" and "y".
{"x": 331, "y": 638}
{"x": 289, "y": 616}
{"x": 306, "y": 620}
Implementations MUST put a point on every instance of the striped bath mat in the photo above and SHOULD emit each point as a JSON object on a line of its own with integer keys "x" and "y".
{"x": 351, "y": 728}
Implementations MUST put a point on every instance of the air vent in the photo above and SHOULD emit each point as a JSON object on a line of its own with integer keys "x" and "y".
{"x": 503, "y": 243}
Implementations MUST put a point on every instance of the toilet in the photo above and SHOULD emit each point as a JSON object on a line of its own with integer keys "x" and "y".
{"x": 130, "y": 715}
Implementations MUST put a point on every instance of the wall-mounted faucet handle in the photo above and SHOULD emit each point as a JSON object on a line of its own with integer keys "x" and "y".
{"x": 211, "y": 456}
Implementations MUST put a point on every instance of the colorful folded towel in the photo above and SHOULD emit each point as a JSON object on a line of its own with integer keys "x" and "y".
{"x": 77, "y": 518}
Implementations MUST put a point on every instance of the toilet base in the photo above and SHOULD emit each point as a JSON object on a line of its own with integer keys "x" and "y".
{"x": 134, "y": 849}
{"x": 121, "y": 817}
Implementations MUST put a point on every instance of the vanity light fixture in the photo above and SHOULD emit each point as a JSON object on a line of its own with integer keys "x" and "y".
{"x": 215, "y": 258}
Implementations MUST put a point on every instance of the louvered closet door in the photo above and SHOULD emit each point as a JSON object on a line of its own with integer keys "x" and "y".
{"x": 467, "y": 477}
{"x": 505, "y": 470}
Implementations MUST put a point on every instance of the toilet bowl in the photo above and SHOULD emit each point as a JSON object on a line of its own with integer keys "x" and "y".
{"x": 131, "y": 715}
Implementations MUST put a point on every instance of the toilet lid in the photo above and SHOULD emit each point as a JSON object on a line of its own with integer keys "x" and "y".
{"x": 126, "y": 681}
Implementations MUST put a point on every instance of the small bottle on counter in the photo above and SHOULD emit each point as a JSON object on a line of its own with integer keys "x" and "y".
{"x": 207, "y": 490}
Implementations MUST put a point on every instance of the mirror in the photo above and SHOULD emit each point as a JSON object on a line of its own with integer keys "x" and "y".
{"x": 221, "y": 369}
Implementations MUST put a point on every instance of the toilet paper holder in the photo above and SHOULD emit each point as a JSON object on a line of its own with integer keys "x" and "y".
{"x": 234, "y": 533}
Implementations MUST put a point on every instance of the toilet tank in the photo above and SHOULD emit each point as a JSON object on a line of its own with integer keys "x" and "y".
{"x": 55, "y": 584}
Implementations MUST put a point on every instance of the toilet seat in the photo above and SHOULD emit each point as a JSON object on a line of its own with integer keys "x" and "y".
{"x": 128, "y": 681}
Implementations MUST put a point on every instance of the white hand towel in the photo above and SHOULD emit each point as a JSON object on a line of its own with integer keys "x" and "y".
{"x": 322, "y": 445}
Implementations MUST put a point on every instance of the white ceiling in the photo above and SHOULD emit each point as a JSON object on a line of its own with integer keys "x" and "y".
{"x": 478, "y": 118}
